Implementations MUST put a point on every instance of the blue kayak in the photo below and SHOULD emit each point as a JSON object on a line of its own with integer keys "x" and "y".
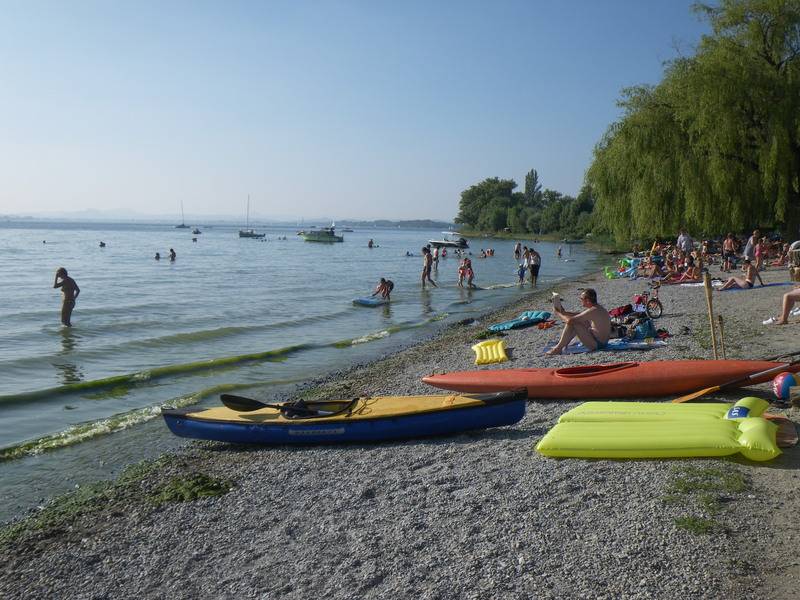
{"x": 358, "y": 420}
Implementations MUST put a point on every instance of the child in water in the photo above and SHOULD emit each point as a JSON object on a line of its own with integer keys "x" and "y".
{"x": 385, "y": 287}
{"x": 521, "y": 273}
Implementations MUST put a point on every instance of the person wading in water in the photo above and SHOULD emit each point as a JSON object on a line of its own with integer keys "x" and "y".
{"x": 70, "y": 290}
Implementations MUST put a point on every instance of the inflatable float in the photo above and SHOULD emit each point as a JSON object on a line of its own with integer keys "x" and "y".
{"x": 526, "y": 319}
{"x": 616, "y": 380}
{"x": 490, "y": 352}
{"x": 358, "y": 420}
{"x": 649, "y": 430}
{"x": 370, "y": 301}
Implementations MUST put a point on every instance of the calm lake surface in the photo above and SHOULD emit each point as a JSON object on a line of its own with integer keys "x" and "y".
{"x": 243, "y": 315}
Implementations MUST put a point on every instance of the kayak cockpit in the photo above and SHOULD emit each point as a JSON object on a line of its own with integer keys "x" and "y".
{"x": 592, "y": 370}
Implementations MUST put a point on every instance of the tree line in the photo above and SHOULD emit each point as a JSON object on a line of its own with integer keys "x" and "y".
{"x": 713, "y": 147}
{"x": 493, "y": 205}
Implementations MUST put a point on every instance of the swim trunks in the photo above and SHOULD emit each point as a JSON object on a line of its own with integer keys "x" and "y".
{"x": 600, "y": 345}
{"x": 749, "y": 284}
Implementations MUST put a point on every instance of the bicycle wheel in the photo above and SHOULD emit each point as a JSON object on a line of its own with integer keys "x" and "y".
{"x": 654, "y": 308}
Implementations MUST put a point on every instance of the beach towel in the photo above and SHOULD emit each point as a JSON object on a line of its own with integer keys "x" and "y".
{"x": 755, "y": 287}
{"x": 526, "y": 319}
{"x": 618, "y": 345}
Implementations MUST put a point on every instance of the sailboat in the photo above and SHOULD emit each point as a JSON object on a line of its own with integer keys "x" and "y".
{"x": 183, "y": 224}
{"x": 247, "y": 232}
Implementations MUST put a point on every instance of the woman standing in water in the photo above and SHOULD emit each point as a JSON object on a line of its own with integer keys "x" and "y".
{"x": 70, "y": 290}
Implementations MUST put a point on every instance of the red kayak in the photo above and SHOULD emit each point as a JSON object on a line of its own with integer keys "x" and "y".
{"x": 618, "y": 380}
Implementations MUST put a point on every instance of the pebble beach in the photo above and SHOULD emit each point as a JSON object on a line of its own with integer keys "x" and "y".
{"x": 477, "y": 515}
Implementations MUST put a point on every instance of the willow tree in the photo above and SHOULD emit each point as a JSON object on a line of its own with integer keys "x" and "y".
{"x": 716, "y": 144}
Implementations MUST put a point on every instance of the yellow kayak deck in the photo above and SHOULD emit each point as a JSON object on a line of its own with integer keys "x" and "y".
{"x": 378, "y": 407}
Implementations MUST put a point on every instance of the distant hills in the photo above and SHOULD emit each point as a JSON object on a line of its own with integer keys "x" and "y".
{"x": 120, "y": 216}
{"x": 383, "y": 223}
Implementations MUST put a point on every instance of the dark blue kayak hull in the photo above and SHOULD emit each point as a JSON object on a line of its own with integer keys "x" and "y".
{"x": 181, "y": 423}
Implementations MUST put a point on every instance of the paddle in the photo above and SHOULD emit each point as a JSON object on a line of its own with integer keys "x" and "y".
{"x": 288, "y": 409}
{"x": 742, "y": 381}
{"x": 782, "y": 355}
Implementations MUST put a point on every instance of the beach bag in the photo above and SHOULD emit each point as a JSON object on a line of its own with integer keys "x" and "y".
{"x": 644, "y": 329}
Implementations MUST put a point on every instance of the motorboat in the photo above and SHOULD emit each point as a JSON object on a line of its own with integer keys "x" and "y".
{"x": 451, "y": 239}
{"x": 322, "y": 234}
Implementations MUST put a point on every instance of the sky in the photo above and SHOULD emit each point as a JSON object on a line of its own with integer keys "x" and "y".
{"x": 325, "y": 109}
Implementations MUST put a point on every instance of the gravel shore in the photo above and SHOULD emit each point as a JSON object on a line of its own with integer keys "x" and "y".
{"x": 479, "y": 515}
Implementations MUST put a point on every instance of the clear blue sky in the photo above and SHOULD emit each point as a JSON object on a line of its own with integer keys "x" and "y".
{"x": 339, "y": 109}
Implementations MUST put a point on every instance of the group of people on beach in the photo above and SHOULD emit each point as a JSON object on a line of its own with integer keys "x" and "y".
{"x": 684, "y": 262}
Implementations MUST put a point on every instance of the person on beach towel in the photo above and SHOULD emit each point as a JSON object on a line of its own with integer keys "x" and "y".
{"x": 592, "y": 326}
{"x": 750, "y": 275}
{"x": 789, "y": 299}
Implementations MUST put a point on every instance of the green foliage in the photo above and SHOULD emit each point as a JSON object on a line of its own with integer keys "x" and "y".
{"x": 716, "y": 144}
{"x": 492, "y": 206}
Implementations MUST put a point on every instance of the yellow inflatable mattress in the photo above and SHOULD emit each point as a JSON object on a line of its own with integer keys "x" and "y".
{"x": 655, "y": 430}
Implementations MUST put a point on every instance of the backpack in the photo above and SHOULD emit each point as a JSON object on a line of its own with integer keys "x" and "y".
{"x": 644, "y": 329}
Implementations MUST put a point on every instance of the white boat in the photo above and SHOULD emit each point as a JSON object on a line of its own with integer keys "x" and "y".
{"x": 247, "y": 232}
{"x": 322, "y": 234}
{"x": 451, "y": 239}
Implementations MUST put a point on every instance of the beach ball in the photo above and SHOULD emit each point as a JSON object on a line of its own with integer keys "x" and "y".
{"x": 782, "y": 385}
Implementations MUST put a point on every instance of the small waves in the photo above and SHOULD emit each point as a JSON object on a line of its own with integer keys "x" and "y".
{"x": 384, "y": 333}
{"x": 93, "y": 429}
{"x": 122, "y": 382}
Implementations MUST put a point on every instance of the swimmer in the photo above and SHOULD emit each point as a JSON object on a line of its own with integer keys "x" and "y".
{"x": 172, "y": 255}
{"x": 158, "y": 256}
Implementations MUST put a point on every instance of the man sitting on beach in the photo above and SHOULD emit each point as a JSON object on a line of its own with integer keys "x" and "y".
{"x": 592, "y": 326}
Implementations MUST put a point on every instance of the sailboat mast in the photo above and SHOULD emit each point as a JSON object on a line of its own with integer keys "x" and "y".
{"x": 248, "y": 212}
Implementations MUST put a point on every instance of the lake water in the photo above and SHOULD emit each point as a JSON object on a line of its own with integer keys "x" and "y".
{"x": 230, "y": 314}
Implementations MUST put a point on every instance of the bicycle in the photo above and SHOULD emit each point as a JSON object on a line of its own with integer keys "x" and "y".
{"x": 652, "y": 304}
